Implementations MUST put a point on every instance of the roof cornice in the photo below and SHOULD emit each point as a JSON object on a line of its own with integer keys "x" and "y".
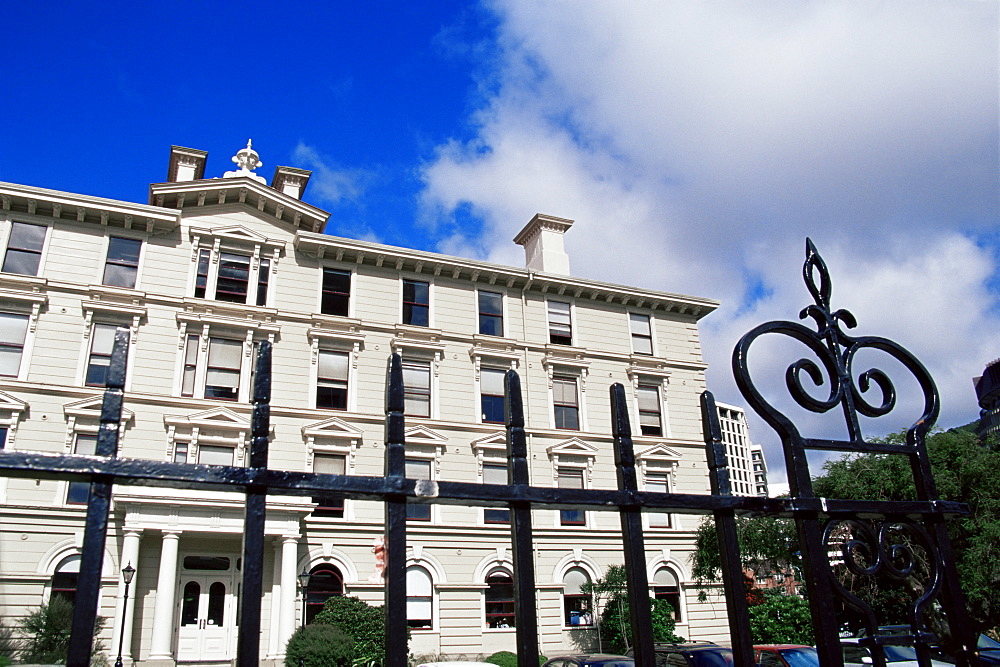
{"x": 84, "y": 208}
{"x": 214, "y": 192}
{"x": 485, "y": 273}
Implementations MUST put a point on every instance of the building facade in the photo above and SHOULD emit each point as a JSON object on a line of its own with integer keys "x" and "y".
{"x": 208, "y": 269}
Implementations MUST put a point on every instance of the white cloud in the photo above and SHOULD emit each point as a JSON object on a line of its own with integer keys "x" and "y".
{"x": 697, "y": 144}
{"x": 330, "y": 183}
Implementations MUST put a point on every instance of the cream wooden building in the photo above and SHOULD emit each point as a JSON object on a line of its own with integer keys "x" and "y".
{"x": 212, "y": 266}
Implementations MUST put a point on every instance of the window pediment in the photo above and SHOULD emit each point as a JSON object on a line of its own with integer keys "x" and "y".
{"x": 237, "y": 234}
{"x": 421, "y": 435}
{"x": 659, "y": 453}
{"x": 90, "y": 408}
{"x": 9, "y": 403}
{"x": 334, "y": 428}
{"x": 216, "y": 418}
{"x": 491, "y": 443}
{"x": 572, "y": 447}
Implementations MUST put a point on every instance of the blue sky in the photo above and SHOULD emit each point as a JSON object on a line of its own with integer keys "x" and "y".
{"x": 695, "y": 144}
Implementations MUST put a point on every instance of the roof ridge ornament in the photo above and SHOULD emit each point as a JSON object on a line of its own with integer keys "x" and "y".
{"x": 247, "y": 160}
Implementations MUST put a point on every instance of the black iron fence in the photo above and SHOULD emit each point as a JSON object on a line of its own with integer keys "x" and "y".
{"x": 834, "y": 534}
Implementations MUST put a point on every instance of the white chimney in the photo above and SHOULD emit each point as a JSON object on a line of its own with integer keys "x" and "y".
{"x": 542, "y": 239}
{"x": 186, "y": 164}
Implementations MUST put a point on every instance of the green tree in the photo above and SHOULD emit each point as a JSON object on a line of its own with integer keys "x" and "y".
{"x": 47, "y": 632}
{"x": 767, "y": 544}
{"x": 965, "y": 470}
{"x": 781, "y": 619}
{"x": 614, "y": 625}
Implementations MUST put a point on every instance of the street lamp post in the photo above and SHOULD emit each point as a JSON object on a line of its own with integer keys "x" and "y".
{"x": 127, "y": 573}
{"x": 304, "y": 578}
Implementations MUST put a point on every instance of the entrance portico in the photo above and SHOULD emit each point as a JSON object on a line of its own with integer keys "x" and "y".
{"x": 196, "y": 550}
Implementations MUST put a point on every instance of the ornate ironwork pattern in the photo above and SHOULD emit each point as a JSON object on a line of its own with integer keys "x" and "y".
{"x": 847, "y": 543}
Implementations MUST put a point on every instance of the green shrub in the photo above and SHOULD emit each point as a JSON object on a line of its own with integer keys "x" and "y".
{"x": 319, "y": 646}
{"x": 8, "y": 644}
{"x": 508, "y": 659}
{"x": 616, "y": 629}
{"x": 47, "y": 632}
{"x": 362, "y": 621}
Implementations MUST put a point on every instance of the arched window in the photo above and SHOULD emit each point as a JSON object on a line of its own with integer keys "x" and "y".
{"x": 499, "y": 599}
{"x": 419, "y": 598}
{"x": 64, "y": 579}
{"x": 665, "y": 587}
{"x": 576, "y": 604}
{"x": 325, "y": 581}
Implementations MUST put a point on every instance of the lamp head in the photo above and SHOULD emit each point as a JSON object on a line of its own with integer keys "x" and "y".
{"x": 127, "y": 573}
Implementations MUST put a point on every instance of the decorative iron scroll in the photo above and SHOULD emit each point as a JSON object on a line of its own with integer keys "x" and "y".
{"x": 846, "y": 552}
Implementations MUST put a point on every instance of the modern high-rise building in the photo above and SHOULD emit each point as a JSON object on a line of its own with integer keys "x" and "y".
{"x": 211, "y": 267}
{"x": 739, "y": 450}
{"x": 759, "y": 470}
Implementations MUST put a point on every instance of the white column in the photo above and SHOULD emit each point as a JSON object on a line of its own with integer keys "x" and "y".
{"x": 163, "y": 609}
{"x": 274, "y": 648}
{"x": 130, "y": 556}
{"x": 289, "y": 553}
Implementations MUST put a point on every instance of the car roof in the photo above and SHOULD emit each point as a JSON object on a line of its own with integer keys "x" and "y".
{"x": 779, "y": 646}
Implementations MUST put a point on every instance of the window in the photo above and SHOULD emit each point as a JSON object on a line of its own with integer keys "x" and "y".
{"x": 65, "y": 579}
{"x": 560, "y": 327}
{"x": 331, "y": 380}
{"x": 416, "y": 303}
{"x": 102, "y": 340}
{"x": 418, "y": 469}
{"x": 491, "y": 395}
{"x": 571, "y": 478}
{"x": 222, "y": 379}
{"x": 576, "y": 603}
{"x": 13, "y": 329}
{"x": 665, "y": 587}
{"x": 491, "y": 313}
{"x": 122, "y": 266}
{"x": 3, "y": 437}
{"x": 78, "y": 492}
{"x": 336, "y": 296}
{"x": 642, "y": 336}
{"x": 331, "y": 505}
{"x": 565, "y": 404}
{"x": 216, "y": 455}
{"x": 419, "y": 598}
{"x": 24, "y": 248}
{"x": 499, "y": 600}
{"x": 325, "y": 582}
{"x": 649, "y": 410}
{"x": 236, "y": 279}
{"x": 495, "y": 473}
{"x": 417, "y": 389}
{"x": 658, "y": 483}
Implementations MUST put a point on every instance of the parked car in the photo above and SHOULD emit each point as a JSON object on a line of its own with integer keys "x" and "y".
{"x": 590, "y": 660}
{"x": 856, "y": 655}
{"x": 989, "y": 650}
{"x": 692, "y": 654}
{"x": 456, "y": 664}
{"x": 785, "y": 655}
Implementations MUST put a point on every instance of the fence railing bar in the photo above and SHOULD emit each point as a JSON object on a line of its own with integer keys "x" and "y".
{"x": 397, "y": 650}
{"x": 634, "y": 545}
{"x": 525, "y": 603}
{"x": 162, "y": 474}
{"x": 88, "y": 590}
{"x": 725, "y": 528}
{"x": 248, "y": 648}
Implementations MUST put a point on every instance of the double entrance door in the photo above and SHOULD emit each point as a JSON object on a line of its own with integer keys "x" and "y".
{"x": 207, "y": 614}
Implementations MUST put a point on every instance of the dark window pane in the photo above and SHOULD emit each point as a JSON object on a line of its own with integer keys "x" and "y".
{"x": 418, "y": 512}
{"x": 19, "y": 261}
{"x": 572, "y": 517}
{"x": 216, "y": 604}
{"x": 496, "y": 516}
{"x": 490, "y": 325}
{"x": 189, "y": 603}
{"x": 418, "y": 316}
{"x": 567, "y": 417}
{"x": 213, "y": 563}
{"x": 336, "y": 292}
{"x": 493, "y": 409}
{"x": 331, "y": 505}
{"x": 78, "y": 493}
{"x": 331, "y": 397}
{"x": 263, "y": 276}
{"x": 201, "y": 281}
{"x": 234, "y": 276}
{"x": 325, "y": 582}
{"x": 121, "y": 268}
{"x": 97, "y": 371}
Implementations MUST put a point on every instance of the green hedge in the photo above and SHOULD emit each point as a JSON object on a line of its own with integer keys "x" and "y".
{"x": 319, "y": 646}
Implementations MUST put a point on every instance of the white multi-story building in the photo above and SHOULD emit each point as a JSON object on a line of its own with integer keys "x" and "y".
{"x": 736, "y": 436}
{"x": 209, "y": 268}
{"x": 759, "y": 470}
